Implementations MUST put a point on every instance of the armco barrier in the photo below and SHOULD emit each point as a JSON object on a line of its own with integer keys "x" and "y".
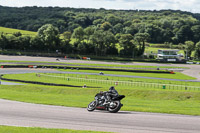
{"x": 15, "y": 66}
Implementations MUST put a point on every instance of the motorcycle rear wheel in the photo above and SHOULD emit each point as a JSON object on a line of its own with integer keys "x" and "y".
{"x": 92, "y": 106}
{"x": 116, "y": 108}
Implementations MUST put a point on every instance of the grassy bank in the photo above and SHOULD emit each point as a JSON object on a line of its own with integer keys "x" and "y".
{"x": 11, "y": 31}
{"x": 177, "y": 75}
{"x": 9, "y": 129}
{"x": 96, "y": 80}
{"x": 137, "y": 98}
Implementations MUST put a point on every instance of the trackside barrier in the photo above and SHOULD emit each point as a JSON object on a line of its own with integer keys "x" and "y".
{"x": 124, "y": 83}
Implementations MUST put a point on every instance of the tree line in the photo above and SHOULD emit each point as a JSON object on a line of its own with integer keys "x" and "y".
{"x": 91, "y": 40}
{"x": 88, "y": 41}
{"x": 97, "y": 31}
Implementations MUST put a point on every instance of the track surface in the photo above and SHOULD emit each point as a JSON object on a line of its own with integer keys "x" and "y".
{"x": 9, "y": 83}
{"x": 35, "y": 115}
{"x": 194, "y": 70}
{"x": 31, "y": 70}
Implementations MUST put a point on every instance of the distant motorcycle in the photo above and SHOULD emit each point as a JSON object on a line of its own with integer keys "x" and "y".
{"x": 113, "y": 106}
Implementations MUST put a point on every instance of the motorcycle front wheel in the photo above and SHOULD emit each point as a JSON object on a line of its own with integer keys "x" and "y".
{"x": 92, "y": 106}
{"x": 115, "y": 107}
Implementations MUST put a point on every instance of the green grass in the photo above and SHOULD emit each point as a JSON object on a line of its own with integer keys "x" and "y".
{"x": 9, "y": 129}
{"x": 155, "y": 50}
{"x": 99, "y": 81}
{"x": 11, "y": 31}
{"x": 137, "y": 99}
{"x": 177, "y": 75}
{"x": 126, "y": 79}
{"x": 152, "y": 50}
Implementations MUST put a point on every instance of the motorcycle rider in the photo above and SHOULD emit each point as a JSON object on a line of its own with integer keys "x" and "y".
{"x": 109, "y": 94}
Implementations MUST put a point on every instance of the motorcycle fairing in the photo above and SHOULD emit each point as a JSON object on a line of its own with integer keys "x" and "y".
{"x": 118, "y": 97}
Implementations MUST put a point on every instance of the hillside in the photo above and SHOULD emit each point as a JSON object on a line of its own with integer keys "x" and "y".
{"x": 11, "y": 31}
{"x": 100, "y": 31}
{"x": 163, "y": 26}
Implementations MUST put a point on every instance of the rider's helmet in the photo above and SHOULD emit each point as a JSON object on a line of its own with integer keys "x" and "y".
{"x": 112, "y": 88}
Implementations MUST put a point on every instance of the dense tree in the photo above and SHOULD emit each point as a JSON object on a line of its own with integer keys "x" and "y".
{"x": 130, "y": 30}
{"x": 196, "y": 33}
{"x": 3, "y": 41}
{"x": 83, "y": 20}
{"x": 188, "y": 48}
{"x": 103, "y": 42}
{"x": 17, "y": 34}
{"x": 97, "y": 40}
{"x": 49, "y": 35}
{"x": 88, "y": 32}
{"x": 184, "y": 34}
{"x": 67, "y": 36}
{"x": 112, "y": 19}
{"x": 37, "y": 44}
{"x": 162, "y": 26}
{"x": 96, "y": 31}
{"x": 24, "y": 43}
{"x": 167, "y": 35}
{"x": 118, "y": 28}
{"x": 78, "y": 34}
{"x": 197, "y": 51}
{"x": 72, "y": 26}
{"x": 155, "y": 33}
{"x": 126, "y": 42}
{"x": 98, "y": 21}
{"x": 141, "y": 38}
{"x": 106, "y": 26}
{"x": 109, "y": 42}
{"x": 166, "y": 23}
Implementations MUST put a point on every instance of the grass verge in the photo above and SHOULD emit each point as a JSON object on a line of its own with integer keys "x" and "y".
{"x": 11, "y": 31}
{"x": 177, "y": 75}
{"x": 101, "y": 80}
{"x": 137, "y": 98}
{"x": 9, "y": 129}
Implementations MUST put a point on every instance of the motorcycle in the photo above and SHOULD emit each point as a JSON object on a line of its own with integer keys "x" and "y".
{"x": 113, "y": 106}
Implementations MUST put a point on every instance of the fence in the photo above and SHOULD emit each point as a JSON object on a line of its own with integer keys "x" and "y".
{"x": 125, "y": 83}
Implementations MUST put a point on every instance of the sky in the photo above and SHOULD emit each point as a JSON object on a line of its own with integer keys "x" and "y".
{"x": 184, "y": 5}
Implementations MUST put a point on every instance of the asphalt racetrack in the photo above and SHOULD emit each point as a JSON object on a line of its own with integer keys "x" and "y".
{"x": 40, "y": 70}
{"x": 21, "y": 114}
{"x": 194, "y": 70}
